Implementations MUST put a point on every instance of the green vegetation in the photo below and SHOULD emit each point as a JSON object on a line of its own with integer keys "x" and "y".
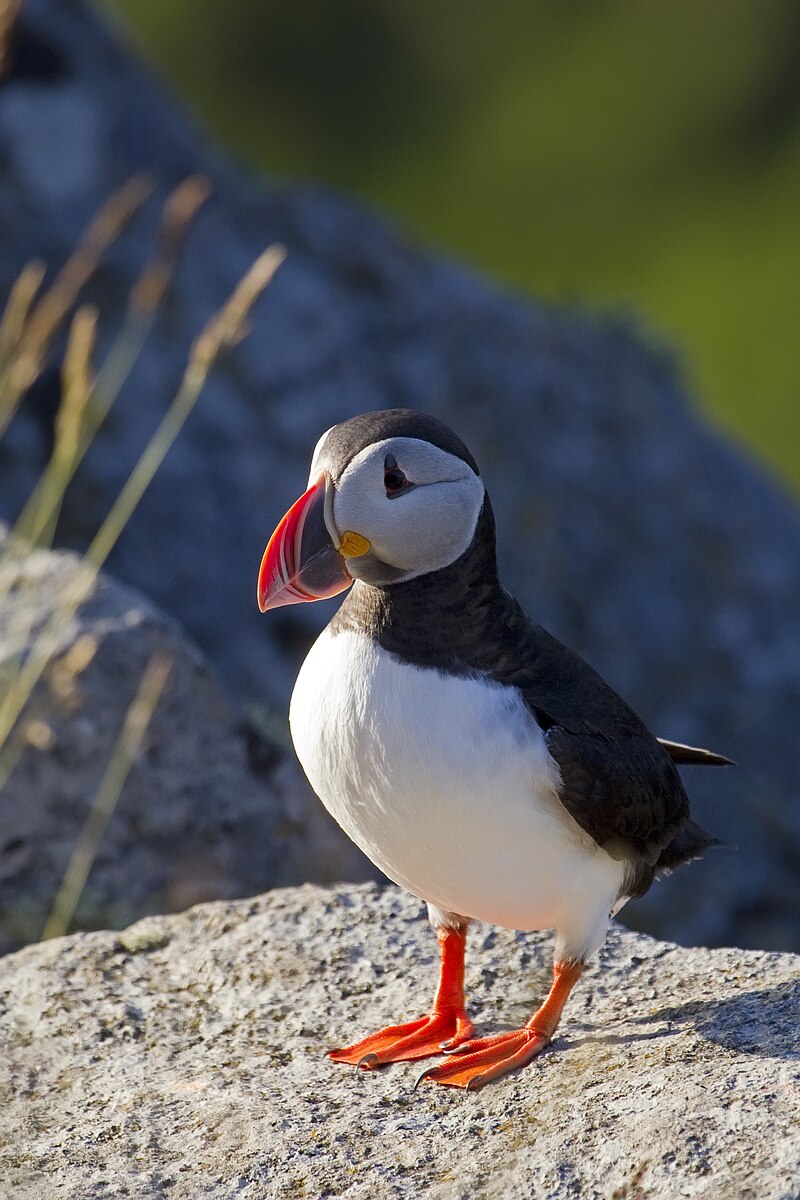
{"x": 623, "y": 152}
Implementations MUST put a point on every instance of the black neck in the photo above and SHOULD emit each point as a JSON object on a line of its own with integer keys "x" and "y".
{"x": 439, "y": 619}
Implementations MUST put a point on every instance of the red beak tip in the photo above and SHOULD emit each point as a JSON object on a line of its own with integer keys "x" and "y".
{"x": 299, "y": 566}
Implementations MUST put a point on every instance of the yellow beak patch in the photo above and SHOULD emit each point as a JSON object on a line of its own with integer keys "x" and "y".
{"x": 353, "y": 545}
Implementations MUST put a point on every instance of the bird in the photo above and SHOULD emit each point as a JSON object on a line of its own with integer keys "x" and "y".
{"x": 475, "y": 760}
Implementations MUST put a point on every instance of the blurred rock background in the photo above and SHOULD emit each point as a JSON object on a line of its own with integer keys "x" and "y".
{"x": 625, "y": 154}
{"x": 627, "y": 526}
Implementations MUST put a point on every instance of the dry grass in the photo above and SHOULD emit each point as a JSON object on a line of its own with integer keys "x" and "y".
{"x": 9, "y": 10}
{"x": 134, "y": 728}
{"x": 28, "y": 328}
{"x": 30, "y": 325}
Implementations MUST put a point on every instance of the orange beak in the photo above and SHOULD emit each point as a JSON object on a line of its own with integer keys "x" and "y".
{"x": 301, "y": 562}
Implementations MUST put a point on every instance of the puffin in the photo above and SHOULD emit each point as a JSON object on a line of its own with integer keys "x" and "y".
{"x": 476, "y": 760}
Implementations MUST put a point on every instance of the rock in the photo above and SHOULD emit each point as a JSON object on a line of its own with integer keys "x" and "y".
{"x": 210, "y": 809}
{"x": 185, "y": 1058}
{"x": 626, "y": 526}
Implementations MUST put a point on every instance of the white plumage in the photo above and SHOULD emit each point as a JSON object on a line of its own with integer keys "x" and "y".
{"x": 447, "y": 786}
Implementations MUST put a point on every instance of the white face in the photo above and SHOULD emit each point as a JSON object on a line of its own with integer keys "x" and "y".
{"x": 417, "y": 505}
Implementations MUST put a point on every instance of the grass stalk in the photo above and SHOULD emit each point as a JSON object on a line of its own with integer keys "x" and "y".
{"x": 75, "y": 390}
{"x": 17, "y": 310}
{"x": 9, "y": 10}
{"x": 48, "y": 312}
{"x": 39, "y": 515}
{"x": 224, "y": 330}
{"x": 135, "y": 726}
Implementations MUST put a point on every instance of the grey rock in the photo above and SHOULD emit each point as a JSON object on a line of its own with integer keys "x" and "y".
{"x": 626, "y": 526}
{"x": 185, "y": 1058}
{"x": 210, "y": 809}
{"x": 40, "y": 163}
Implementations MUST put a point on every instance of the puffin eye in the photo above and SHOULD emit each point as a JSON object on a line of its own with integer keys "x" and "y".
{"x": 394, "y": 479}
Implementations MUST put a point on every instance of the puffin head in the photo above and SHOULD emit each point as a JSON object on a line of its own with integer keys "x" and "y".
{"x": 391, "y": 495}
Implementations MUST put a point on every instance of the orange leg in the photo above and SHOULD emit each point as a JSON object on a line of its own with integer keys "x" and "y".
{"x": 446, "y": 1027}
{"x": 478, "y": 1062}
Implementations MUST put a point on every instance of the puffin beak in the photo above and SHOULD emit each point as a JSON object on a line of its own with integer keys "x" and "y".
{"x": 305, "y": 557}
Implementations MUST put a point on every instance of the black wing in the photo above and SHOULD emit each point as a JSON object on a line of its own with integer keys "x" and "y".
{"x": 622, "y": 793}
{"x": 619, "y": 783}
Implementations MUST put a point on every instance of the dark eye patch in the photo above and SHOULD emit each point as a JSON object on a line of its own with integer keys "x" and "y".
{"x": 394, "y": 480}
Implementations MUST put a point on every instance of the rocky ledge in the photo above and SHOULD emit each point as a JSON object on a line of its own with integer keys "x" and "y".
{"x": 185, "y": 1058}
{"x": 625, "y": 526}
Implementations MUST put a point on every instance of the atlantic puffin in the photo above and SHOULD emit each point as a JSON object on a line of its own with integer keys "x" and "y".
{"x": 477, "y": 761}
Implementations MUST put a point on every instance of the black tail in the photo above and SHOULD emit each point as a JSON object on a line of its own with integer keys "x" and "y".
{"x": 694, "y": 755}
{"x": 690, "y": 842}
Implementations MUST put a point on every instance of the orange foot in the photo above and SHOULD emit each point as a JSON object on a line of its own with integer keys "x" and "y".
{"x": 418, "y": 1039}
{"x": 482, "y": 1060}
{"x": 447, "y": 1026}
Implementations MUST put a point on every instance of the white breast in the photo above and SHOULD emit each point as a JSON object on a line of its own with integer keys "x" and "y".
{"x": 447, "y": 786}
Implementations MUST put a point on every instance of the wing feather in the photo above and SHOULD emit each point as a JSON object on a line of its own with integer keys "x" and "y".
{"x": 694, "y": 756}
{"x": 619, "y": 782}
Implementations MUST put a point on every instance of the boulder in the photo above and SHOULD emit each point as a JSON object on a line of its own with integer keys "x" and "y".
{"x": 210, "y": 809}
{"x": 185, "y": 1057}
{"x": 626, "y": 525}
